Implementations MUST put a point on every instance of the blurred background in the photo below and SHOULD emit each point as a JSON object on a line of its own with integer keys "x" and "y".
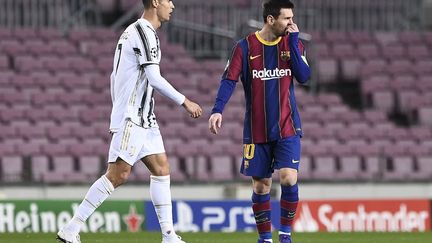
{"x": 366, "y": 113}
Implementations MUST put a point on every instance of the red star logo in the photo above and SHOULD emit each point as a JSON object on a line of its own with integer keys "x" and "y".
{"x": 133, "y": 220}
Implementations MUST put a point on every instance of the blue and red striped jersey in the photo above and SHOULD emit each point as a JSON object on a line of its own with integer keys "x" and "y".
{"x": 265, "y": 71}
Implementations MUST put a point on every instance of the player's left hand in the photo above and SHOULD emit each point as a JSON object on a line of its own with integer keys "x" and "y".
{"x": 193, "y": 108}
{"x": 215, "y": 122}
{"x": 292, "y": 28}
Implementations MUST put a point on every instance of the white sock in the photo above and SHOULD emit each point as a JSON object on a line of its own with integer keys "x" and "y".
{"x": 98, "y": 192}
{"x": 160, "y": 193}
{"x": 284, "y": 233}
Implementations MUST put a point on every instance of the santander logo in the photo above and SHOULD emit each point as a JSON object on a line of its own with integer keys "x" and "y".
{"x": 306, "y": 222}
{"x": 270, "y": 74}
{"x": 363, "y": 216}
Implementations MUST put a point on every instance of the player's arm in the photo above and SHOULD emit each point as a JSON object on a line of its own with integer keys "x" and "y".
{"x": 299, "y": 64}
{"x": 226, "y": 88}
{"x": 160, "y": 84}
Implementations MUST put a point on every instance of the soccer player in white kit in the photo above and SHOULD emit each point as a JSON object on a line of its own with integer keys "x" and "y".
{"x": 136, "y": 134}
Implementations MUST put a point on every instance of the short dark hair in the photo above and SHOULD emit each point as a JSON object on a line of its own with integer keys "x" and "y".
{"x": 146, "y": 3}
{"x": 273, "y": 7}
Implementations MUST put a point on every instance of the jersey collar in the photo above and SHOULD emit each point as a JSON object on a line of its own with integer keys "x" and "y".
{"x": 146, "y": 22}
{"x": 268, "y": 43}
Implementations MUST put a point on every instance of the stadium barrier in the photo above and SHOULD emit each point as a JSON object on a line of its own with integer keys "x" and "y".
{"x": 312, "y": 216}
{"x": 48, "y": 216}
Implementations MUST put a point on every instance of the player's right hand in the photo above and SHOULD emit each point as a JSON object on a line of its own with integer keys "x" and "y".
{"x": 215, "y": 122}
{"x": 193, "y": 108}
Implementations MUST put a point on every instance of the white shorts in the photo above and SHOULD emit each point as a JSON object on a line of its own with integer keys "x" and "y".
{"x": 132, "y": 143}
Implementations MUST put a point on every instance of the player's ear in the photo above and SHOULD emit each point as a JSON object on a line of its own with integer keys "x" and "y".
{"x": 155, "y": 3}
{"x": 270, "y": 19}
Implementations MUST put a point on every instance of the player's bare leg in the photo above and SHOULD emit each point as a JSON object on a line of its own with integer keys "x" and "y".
{"x": 160, "y": 193}
{"x": 288, "y": 202}
{"x": 261, "y": 208}
{"x": 117, "y": 174}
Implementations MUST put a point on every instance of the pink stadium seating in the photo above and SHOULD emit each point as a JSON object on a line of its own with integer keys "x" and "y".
{"x": 222, "y": 167}
{"x": 350, "y": 168}
{"x": 7, "y": 149}
{"x": 25, "y": 33}
{"x": 306, "y": 168}
{"x": 418, "y": 52}
{"x": 55, "y": 103}
{"x": 325, "y": 167}
{"x": 328, "y": 70}
{"x": 424, "y": 170}
{"x": 401, "y": 168}
{"x": 176, "y": 172}
{"x": 368, "y": 51}
{"x": 350, "y": 68}
{"x": 425, "y": 115}
{"x": 139, "y": 173}
{"x": 63, "y": 171}
{"x": 39, "y": 167}
{"x": 12, "y": 168}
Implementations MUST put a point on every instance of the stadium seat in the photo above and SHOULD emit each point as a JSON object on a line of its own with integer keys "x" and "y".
{"x": 12, "y": 47}
{"x": 350, "y": 68}
{"x": 63, "y": 171}
{"x": 425, "y": 115}
{"x": 39, "y": 167}
{"x": 400, "y": 168}
{"x": 4, "y": 63}
{"x": 38, "y": 47}
{"x": 418, "y": 52}
{"x": 139, "y": 173}
{"x": 422, "y": 67}
{"x": 386, "y": 38}
{"x": 328, "y": 70}
{"x": 25, "y": 33}
{"x": 343, "y": 50}
{"x": 325, "y": 168}
{"x": 12, "y": 168}
{"x": 200, "y": 167}
{"x": 221, "y": 168}
{"x": 7, "y": 149}
{"x": 176, "y": 172}
{"x": 424, "y": 168}
{"x": 85, "y": 177}
{"x": 306, "y": 168}
{"x": 368, "y": 51}
{"x": 350, "y": 168}
{"x": 383, "y": 100}
{"x": 393, "y": 51}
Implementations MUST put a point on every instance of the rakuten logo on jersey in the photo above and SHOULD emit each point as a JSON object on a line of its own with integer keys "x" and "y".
{"x": 271, "y": 74}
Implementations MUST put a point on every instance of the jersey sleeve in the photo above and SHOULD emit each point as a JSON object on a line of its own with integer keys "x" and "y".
{"x": 302, "y": 49}
{"x": 234, "y": 65}
{"x": 146, "y": 45}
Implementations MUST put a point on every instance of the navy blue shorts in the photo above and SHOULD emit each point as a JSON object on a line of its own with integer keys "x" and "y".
{"x": 261, "y": 159}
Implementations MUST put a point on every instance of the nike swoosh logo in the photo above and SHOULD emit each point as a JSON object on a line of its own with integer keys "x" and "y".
{"x": 295, "y": 161}
{"x": 253, "y": 57}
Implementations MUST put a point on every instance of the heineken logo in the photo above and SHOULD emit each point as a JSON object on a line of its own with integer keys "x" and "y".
{"x": 50, "y": 216}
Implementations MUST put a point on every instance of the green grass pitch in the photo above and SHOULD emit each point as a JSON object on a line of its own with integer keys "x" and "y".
{"x": 226, "y": 237}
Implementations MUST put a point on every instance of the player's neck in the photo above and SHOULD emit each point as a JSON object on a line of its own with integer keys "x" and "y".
{"x": 267, "y": 35}
{"x": 152, "y": 17}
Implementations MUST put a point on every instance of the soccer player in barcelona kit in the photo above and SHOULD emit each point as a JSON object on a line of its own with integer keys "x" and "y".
{"x": 136, "y": 134}
{"x": 266, "y": 62}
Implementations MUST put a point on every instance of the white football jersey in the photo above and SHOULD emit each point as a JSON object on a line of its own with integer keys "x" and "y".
{"x": 131, "y": 93}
